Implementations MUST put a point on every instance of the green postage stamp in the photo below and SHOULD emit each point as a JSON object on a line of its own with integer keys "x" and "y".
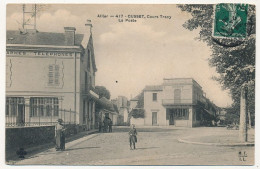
{"x": 230, "y": 20}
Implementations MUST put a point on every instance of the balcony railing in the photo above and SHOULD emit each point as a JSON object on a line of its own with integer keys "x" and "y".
{"x": 176, "y": 102}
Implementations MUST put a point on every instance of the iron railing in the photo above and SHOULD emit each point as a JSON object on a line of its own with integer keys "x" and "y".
{"x": 176, "y": 101}
{"x": 21, "y": 115}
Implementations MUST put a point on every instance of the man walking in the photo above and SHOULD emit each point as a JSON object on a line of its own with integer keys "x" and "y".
{"x": 132, "y": 137}
{"x": 110, "y": 122}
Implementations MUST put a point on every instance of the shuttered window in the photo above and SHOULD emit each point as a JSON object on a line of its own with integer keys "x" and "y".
{"x": 54, "y": 75}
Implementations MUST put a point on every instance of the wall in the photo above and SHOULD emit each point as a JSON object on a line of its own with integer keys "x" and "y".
{"x": 137, "y": 121}
{"x": 154, "y": 106}
{"x": 29, "y": 78}
{"x": 186, "y": 92}
{"x": 181, "y": 123}
{"x": 25, "y": 137}
{"x": 114, "y": 119}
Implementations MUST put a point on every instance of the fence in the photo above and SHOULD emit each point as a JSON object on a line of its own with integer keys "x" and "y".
{"x": 19, "y": 114}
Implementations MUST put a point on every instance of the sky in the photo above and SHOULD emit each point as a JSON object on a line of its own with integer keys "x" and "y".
{"x": 131, "y": 55}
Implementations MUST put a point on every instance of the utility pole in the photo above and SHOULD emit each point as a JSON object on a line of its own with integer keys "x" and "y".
{"x": 29, "y": 16}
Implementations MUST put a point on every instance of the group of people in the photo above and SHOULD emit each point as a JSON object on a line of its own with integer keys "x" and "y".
{"x": 60, "y": 133}
{"x": 106, "y": 125}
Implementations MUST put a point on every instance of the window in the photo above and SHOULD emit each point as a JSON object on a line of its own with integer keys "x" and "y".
{"x": 154, "y": 96}
{"x": 44, "y": 106}
{"x": 13, "y": 104}
{"x": 54, "y": 75}
{"x": 181, "y": 113}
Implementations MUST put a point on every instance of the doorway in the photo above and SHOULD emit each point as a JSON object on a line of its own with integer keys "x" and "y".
{"x": 20, "y": 114}
{"x": 171, "y": 120}
{"x": 154, "y": 118}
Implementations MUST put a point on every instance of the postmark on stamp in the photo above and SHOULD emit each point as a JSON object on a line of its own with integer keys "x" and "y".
{"x": 230, "y": 20}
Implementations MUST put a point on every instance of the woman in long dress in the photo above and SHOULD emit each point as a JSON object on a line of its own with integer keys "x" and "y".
{"x": 60, "y": 136}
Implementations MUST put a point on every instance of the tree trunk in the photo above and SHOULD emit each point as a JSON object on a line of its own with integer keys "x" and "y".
{"x": 243, "y": 116}
{"x": 249, "y": 119}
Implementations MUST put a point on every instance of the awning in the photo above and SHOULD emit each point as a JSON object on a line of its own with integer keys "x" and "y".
{"x": 93, "y": 94}
{"x": 209, "y": 112}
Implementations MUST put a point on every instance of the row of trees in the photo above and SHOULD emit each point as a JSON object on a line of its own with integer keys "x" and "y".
{"x": 233, "y": 58}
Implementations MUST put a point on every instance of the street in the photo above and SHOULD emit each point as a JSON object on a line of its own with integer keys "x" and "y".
{"x": 155, "y": 146}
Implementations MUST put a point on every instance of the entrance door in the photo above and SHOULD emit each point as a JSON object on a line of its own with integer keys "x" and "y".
{"x": 154, "y": 118}
{"x": 171, "y": 120}
{"x": 20, "y": 114}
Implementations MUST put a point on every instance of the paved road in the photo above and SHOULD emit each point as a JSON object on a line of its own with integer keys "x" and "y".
{"x": 156, "y": 146}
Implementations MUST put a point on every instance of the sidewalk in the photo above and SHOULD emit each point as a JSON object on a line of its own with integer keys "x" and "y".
{"x": 11, "y": 157}
{"x": 217, "y": 137}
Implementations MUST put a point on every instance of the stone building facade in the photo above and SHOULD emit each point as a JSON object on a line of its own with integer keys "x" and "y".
{"x": 178, "y": 101}
{"x": 48, "y": 73}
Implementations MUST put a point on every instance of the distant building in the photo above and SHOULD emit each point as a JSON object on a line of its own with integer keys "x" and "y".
{"x": 123, "y": 108}
{"x": 222, "y": 115}
{"x": 133, "y": 102}
{"x": 47, "y": 72}
{"x": 179, "y": 102}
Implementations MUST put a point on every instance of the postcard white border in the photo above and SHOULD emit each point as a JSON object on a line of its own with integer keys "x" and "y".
{"x": 2, "y": 77}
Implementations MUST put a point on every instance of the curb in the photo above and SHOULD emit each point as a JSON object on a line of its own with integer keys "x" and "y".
{"x": 216, "y": 144}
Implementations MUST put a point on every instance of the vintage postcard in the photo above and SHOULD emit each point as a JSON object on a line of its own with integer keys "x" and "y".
{"x": 130, "y": 84}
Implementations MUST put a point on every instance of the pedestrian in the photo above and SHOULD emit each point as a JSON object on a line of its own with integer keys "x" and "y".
{"x": 132, "y": 137}
{"x": 105, "y": 122}
{"x": 110, "y": 123}
{"x": 100, "y": 124}
{"x": 60, "y": 135}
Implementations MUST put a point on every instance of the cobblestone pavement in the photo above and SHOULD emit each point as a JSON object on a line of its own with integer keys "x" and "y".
{"x": 156, "y": 146}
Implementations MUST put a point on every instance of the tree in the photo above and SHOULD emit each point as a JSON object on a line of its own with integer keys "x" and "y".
{"x": 137, "y": 113}
{"x": 231, "y": 116}
{"x": 102, "y": 92}
{"x": 140, "y": 103}
{"x": 234, "y": 59}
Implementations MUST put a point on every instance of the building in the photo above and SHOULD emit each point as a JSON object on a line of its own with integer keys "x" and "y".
{"x": 122, "y": 105}
{"x": 133, "y": 102}
{"x": 49, "y": 76}
{"x": 179, "y": 102}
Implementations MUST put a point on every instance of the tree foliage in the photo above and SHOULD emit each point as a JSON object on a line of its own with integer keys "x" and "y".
{"x": 140, "y": 103}
{"x": 102, "y": 92}
{"x": 234, "y": 59}
{"x": 231, "y": 116}
{"x": 137, "y": 113}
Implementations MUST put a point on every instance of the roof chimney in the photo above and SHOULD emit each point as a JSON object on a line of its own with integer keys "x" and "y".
{"x": 70, "y": 36}
{"x": 89, "y": 26}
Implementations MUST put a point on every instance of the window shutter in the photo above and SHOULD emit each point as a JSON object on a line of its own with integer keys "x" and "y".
{"x": 51, "y": 75}
{"x": 57, "y": 75}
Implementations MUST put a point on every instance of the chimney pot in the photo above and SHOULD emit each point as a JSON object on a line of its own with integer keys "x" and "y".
{"x": 89, "y": 25}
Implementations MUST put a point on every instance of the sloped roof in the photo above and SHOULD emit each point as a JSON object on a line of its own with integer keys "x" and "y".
{"x": 40, "y": 38}
{"x": 136, "y": 98}
{"x": 153, "y": 88}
